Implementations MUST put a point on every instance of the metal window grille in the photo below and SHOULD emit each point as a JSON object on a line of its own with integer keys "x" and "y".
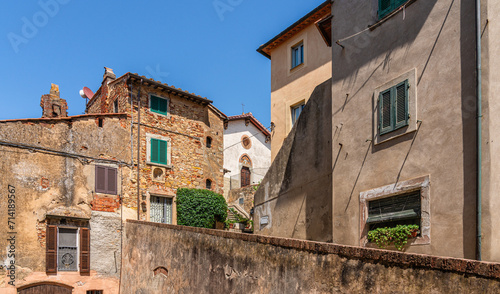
{"x": 67, "y": 253}
{"x": 161, "y": 210}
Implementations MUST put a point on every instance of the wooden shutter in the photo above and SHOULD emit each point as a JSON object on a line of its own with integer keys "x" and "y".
{"x": 162, "y": 150}
{"x": 162, "y": 106}
{"x": 111, "y": 181}
{"x": 154, "y": 150}
{"x": 100, "y": 179}
{"x": 84, "y": 250}
{"x": 154, "y": 103}
{"x": 385, "y": 107}
{"x": 51, "y": 250}
{"x": 385, "y": 7}
{"x": 401, "y": 104}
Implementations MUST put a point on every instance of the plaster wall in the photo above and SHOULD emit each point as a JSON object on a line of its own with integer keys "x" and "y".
{"x": 292, "y": 86}
{"x": 47, "y": 183}
{"x": 435, "y": 39}
{"x": 294, "y": 199}
{"x": 213, "y": 261}
{"x": 259, "y": 152}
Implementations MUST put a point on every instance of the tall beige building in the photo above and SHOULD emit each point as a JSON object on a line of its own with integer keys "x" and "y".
{"x": 300, "y": 60}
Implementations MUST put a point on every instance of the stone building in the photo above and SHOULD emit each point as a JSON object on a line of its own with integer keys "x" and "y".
{"x": 71, "y": 181}
{"x": 393, "y": 137}
{"x": 300, "y": 59}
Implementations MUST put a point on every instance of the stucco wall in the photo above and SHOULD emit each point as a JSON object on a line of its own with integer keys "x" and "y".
{"x": 259, "y": 152}
{"x": 289, "y": 87}
{"x": 46, "y": 182}
{"x": 211, "y": 261}
{"x": 436, "y": 40}
{"x": 295, "y": 196}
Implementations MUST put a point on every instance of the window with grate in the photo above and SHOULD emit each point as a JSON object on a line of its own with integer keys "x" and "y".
{"x": 297, "y": 55}
{"x": 94, "y": 291}
{"x": 385, "y": 7}
{"x": 404, "y": 209}
{"x": 106, "y": 179}
{"x": 67, "y": 250}
{"x": 159, "y": 105}
{"x": 64, "y": 252}
{"x": 161, "y": 209}
{"x": 393, "y": 108}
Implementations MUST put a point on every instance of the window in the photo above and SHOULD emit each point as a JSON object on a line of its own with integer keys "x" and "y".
{"x": 66, "y": 250}
{"x": 385, "y": 7}
{"x": 246, "y": 142}
{"x": 297, "y": 55}
{"x": 115, "y": 106}
{"x": 161, "y": 210}
{"x": 296, "y": 111}
{"x": 106, "y": 180}
{"x": 396, "y": 210}
{"x": 393, "y": 108}
{"x": 159, "y": 149}
{"x": 209, "y": 184}
{"x": 245, "y": 176}
{"x": 209, "y": 142}
{"x": 94, "y": 291}
{"x": 100, "y": 122}
{"x": 241, "y": 201}
{"x": 158, "y": 105}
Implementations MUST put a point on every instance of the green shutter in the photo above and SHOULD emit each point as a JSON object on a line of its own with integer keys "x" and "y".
{"x": 162, "y": 146}
{"x": 154, "y": 150}
{"x": 385, "y": 106}
{"x": 385, "y": 7}
{"x": 159, "y": 105}
{"x": 401, "y": 109}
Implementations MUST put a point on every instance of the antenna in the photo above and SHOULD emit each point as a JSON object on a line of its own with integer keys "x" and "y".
{"x": 243, "y": 108}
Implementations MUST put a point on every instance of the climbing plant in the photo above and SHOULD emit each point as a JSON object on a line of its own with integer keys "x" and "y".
{"x": 200, "y": 208}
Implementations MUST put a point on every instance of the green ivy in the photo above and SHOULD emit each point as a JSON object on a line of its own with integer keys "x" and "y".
{"x": 398, "y": 236}
{"x": 200, "y": 208}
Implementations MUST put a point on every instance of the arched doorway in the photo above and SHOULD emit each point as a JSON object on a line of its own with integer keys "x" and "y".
{"x": 45, "y": 288}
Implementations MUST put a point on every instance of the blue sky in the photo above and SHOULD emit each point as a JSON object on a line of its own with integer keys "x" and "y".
{"x": 206, "y": 47}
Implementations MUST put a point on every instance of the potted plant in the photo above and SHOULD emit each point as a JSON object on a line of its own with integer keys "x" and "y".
{"x": 398, "y": 235}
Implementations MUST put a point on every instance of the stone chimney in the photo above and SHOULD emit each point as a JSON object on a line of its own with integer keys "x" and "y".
{"x": 52, "y": 104}
{"x": 109, "y": 76}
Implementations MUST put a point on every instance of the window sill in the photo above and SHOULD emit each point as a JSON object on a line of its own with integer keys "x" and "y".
{"x": 160, "y": 114}
{"x": 169, "y": 166}
{"x": 419, "y": 241}
{"x": 390, "y": 15}
{"x": 297, "y": 67}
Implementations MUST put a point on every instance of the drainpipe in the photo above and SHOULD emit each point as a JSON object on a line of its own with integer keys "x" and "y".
{"x": 479, "y": 127}
{"x": 139, "y": 151}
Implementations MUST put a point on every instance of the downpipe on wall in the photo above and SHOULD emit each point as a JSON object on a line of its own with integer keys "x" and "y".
{"x": 479, "y": 128}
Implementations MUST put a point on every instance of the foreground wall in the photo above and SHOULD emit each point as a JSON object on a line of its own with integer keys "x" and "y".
{"x": 173, "y": 259}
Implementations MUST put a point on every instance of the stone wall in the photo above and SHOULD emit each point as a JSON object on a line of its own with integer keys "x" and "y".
{"x": 247, "y": 193}
{"x": 210, "y": 261}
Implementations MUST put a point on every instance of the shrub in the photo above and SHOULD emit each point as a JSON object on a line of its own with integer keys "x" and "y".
{"x": 200, "y": 208}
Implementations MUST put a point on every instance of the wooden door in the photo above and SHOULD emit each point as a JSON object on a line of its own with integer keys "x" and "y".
{"x": 245, "y": 176}
{"x": 45, "y": 289}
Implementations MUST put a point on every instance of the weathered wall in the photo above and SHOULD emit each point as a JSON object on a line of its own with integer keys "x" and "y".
{"x": 296, "y": 194}
{"x": 259, "y": 152}
{"x": 62, "y": 184}
{"x": 247, "y": 193}
{"x": 435, "y": 39}
{"x": 289, "y": 87}
{"x": 211, "y": 261}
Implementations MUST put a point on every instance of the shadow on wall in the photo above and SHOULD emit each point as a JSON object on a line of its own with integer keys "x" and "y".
{"x": 294, "y": 199}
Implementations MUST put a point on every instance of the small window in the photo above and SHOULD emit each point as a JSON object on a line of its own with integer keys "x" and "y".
{"x": 209, "y": 184}
{"x": 67, "y": 259}
{"x": 396, "y": 210}
{"x": 94, "y": 291}
{"x": 159, "y": 105}
{"x": 296, "y": 111}
{"x": 246, "y": 142}
{"x": 161, "y": 210}
{"x": 106, "y": 180}
{"x": 297, "y": 55}
{"x": 209, "y": 142}
{"x": 393, "y": 108}
{"x": 241, "y": 201}
{"x": 115, "y": 106}
{"x": 100, "y": 122}
{"x": 385, "y": 7}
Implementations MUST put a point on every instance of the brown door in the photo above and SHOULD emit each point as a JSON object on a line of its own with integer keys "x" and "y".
{"x": 45, "y": 289}
{"x": 245, "y": 176}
